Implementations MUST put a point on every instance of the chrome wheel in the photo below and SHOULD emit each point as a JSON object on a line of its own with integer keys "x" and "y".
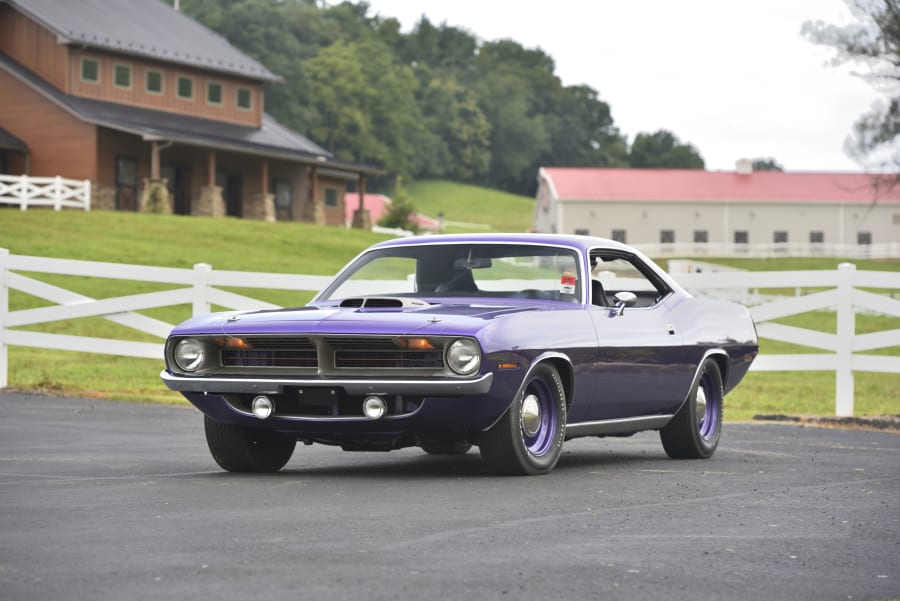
{"x": 528, "y": 438}
{"x": 531, "y": 415}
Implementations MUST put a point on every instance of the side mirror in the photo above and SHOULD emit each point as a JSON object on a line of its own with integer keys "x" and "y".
{"x": 624, "y": 299}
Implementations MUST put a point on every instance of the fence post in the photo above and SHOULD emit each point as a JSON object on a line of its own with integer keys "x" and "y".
{"x": 4, "y": 309}
{"x": 24, "y": 189}
{"x": 201, "y": 288}
{"x": 846, "y": 329}
{"x": 87, "y": 195}
{"x": 57, "y": 193}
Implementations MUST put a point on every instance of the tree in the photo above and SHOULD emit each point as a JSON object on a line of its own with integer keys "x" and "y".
{"x": 400, "y": 211}
{"x": 663, "y": 149}
{"x": 873, "y": 41}
{"x": 767, "y": 164}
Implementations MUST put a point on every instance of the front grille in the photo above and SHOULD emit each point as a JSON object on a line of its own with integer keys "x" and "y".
{"x": 339, "y": 352}
{"x": 385, "y": 359}
{"x": 358, "y": 352}
{"x": 273, "y": 351}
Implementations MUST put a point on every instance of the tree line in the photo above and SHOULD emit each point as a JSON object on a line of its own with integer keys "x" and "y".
{"x": 436, "y": 102}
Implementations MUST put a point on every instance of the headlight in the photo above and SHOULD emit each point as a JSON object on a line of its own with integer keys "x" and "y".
{"x": 189, "y": 354}
{"x": 464, "y": 356}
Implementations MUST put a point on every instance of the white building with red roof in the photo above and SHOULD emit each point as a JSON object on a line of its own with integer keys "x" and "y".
{"x": 674, "y": 206}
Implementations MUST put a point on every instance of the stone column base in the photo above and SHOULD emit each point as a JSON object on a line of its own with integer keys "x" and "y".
{"x": 314, "y": 212}
{"x": 155, "y": 197}
{"x": 210, "y": 203}
{"x": 262, "y": 206}
{"x": 362, "y": 219}
{"x": 103, "y": 198}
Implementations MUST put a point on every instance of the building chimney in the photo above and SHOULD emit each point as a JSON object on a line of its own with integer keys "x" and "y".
{"x": 743, "y": 166}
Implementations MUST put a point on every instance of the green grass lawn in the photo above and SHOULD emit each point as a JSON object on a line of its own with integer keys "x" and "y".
{"x": 498, "y": 211}
{"x": 244, "y": 245}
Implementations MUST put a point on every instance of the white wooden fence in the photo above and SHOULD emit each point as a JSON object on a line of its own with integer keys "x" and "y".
{"x": 56, "y": 192}
{"x": 845, "y": 295}
{"x": 769, "y": 250}
{"x": 201, "y": 289}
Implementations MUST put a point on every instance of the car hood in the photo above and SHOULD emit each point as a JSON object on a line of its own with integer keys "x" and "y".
{"x": 436, "y": 319}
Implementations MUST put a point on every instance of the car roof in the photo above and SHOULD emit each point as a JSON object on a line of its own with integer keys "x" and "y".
{"x": 581, "y": 243}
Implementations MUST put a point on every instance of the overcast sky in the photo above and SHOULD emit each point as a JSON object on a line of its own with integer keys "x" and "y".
{"x": 734, "y": 78}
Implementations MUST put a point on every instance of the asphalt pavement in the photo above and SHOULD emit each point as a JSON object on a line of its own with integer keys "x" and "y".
{"x": 104, "y": 500}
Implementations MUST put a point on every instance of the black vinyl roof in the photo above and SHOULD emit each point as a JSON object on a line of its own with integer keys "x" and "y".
{"x": 147, "y": 28}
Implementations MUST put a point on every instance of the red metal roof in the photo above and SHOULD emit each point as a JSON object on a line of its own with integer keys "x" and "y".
{"x": 377, "y": 205}
{"x": 580, "y": 183}
{"x": 374, "y": 202}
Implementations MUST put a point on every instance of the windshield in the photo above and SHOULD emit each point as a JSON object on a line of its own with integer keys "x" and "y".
{"x": 471, "y": 270}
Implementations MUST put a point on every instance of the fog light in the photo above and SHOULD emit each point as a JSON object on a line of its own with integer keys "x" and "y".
{"x": 374, "y": 407}
{"x": 262, "y": 407}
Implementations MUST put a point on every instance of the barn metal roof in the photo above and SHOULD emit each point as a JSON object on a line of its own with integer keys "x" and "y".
{"x": 121, "y": 26}
{"x": 689, "y": 185}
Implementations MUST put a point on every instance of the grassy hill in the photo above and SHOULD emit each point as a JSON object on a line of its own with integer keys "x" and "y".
{"x": 462, "y": 203}
{"x": 243, "y": 245}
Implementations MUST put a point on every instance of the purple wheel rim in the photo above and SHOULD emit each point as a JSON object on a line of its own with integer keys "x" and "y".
{"x": 538, "y": 437}
{"x": 709, "y": 408}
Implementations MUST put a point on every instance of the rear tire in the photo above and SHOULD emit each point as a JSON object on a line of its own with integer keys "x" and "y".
{"x": 528, "y": 438}
{"x": 695, "y": 430}
{"x": 240, "y": 449}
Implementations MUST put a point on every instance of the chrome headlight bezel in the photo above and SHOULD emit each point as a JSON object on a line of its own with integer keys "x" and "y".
{"x": 463, "y": 356}
{"x": 190, "y": 355}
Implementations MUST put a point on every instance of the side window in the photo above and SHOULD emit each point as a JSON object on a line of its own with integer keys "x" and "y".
{"x": 612, "y": 273}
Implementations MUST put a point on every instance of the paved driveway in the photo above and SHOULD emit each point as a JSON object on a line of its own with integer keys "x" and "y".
{"x": 103, "y": 500}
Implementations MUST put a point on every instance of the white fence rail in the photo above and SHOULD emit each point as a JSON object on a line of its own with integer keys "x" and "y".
{"x": 844, "y": 349}
{"x": 769, "y": 250}
{"x": 56, "y": 192}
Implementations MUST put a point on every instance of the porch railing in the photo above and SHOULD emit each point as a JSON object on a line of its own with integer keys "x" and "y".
{"x": 57, "y": 192}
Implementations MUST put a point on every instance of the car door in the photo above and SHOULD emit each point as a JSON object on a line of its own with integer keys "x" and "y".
{"x": 640, "y": 368}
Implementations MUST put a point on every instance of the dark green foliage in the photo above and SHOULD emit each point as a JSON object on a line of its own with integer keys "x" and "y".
{"x": 663, "y": 150}
{"x": 435, "y": 102}
{"x": 401, "y": 211}
{"x": 768, "y": 164}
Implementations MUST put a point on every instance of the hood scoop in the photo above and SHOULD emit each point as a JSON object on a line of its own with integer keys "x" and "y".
{"x": 378, "y": 302}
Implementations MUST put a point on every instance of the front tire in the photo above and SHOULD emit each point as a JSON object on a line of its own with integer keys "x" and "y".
{"x": 240, "y": 449}
{"x": 528, "y": 438}
{"x": 695, "y": 430}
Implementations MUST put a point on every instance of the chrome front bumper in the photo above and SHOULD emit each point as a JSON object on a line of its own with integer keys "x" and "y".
{"x": 215, "y": 385}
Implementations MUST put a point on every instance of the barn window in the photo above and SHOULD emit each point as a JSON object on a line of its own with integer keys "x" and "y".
{"x": 154, "y": 82}
{"x": 667, "y": 236}
{"x": 331, "y": 198}
{"x": 816, "y": 237}
{"x": 213, "y": 92}
{"x": 701, "y": 236}
{"x": 244, "y": 99}
{"x": 90, "y": 70}
{"x": 122, "y": 76}
{"x": 620, "y": 236}
{"x": 185, "y": 88}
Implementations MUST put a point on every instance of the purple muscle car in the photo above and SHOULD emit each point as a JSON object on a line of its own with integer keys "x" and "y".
{"x": 511, "y": 342}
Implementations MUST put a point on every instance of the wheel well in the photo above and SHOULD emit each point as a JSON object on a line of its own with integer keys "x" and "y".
{"x": 722, "y": 363}
{"x": 564, "y": 368}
